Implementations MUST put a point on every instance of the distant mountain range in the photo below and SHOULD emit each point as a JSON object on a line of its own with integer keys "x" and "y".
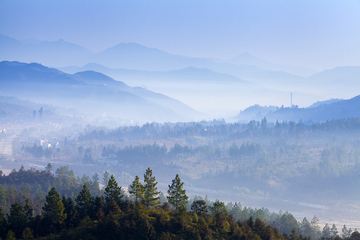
{"x": 89, "y": 92}
{"x": 136, "y": 57}
{"x": 204, "y": 84}
{"x": 318, "y": 112}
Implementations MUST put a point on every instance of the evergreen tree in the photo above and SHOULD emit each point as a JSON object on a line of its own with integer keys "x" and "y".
{"x": 137, "y": 189}
{"x": 199, "y": 207}
{"x": 315, "y": 227}
{"x": 29, "y": 211}
{"x": 334, "y": 230}
{"x": 236, "y": 211}
{"x": 150, "y": 190}
{"x": 305, "y": 227}
{"x": 106, "y": 177}
{"x": 17, "y": 219}
{"x": 218, "y": 208}
{"x": 326, "y": 232}
{"x": 53, "y": 209}
{"x": 113, "y": 192}
{"x": 84, "y": 202}
{"x": 294, "y": 235}
{"x": 176, "y": 194}
{"x": 71, "y": 212}
{"x": 3, "y": 224}
{"x": 49, "y": 167}
{"x": 345, "y": 232}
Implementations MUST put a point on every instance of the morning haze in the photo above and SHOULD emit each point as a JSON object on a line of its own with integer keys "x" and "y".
{"x": 253, "y": 103}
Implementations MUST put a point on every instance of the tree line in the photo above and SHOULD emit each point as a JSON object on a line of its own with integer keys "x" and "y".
{"x": 113, "y": 215}
{"x": 219, "y": 128}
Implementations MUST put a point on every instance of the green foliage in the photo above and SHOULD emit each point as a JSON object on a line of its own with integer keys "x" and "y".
{"x": 104, "y": 218}
{"x": 17, "y": 219}
{"x": 136, "y": 189}
{"x": 83, "y": 202}
{"x": 53, "y": 209}
{"x": 150, "y": 190}
{"x": 10, "y": 235}
{"x": 176, "y": 194}
{"x": 218, "y": 208}
{"x": 199, "y": 207}
{"x": 113, "y": 192}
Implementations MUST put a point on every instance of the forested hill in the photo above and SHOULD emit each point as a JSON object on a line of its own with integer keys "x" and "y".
{"x": 144, "y": 214}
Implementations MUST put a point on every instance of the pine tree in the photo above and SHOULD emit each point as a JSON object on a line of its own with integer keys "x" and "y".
{"x": 106, "y": 178}
{"x": 29, "y": 211}
{"x": 113, "y": 192}
{"x": 315, "y": 227}
{"x": 53, "y": 209}
{"x": 199, "y": 207}
{"x": 334, "y": 230}
{"x": 3, "y": 223}
{"x": 150, "y": 190}
{"x": 84, "y": 202}
{"x": 177, "y": 195}
{"x": 326, "y": 232}
{"x": 345, "y": 232}
{"x": 305, "y": 227}
{"x": 17, "y": 219}
{"x": 137, "y": 189}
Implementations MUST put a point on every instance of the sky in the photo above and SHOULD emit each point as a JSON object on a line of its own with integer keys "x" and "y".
{"x": 318, "y": 34}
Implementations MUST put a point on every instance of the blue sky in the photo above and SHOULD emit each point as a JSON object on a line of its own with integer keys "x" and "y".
{"x": 319, "y": 34}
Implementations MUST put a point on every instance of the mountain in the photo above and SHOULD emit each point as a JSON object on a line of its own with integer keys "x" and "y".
{"x": 319, "y": 112}
{"x": 131, "y": 56}
{"x": 56, "y": 53}
{"x": 255, "y": 112}
{"x": 16, "y": 110}
{"x": 248, "y": 59}
{"x": 181, "y": 75}
{"x": 201, "y": 88}
{"x": 319, "y": 103}
{"x": 89, "y": 92}
{"x": 337, "y": 110}
{"x": 338, "y": 76}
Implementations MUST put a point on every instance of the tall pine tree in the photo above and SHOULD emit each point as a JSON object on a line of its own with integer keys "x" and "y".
{"x": 113, "y": 192}
{"x": 136, "y": 189}
{"x": 151, "y": 192}
{"x": 177, "y": 195}
{"x": 53, "y": 209}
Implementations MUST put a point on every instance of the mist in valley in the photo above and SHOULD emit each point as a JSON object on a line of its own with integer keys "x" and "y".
{"x": 258, "y": 110}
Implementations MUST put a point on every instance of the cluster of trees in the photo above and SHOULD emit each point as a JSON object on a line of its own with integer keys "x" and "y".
{"x": 32, "y": 185}
{"x": 110, "y": 217}
{"x": 219, "y": 129}
{"x": 110, "y": 214}
{"x": 39, "y": 151}
{"x": 142, "y": 153}
{"x": 246, "y": 149}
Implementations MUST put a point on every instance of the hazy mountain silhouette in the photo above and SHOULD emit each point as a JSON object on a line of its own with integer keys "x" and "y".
{"x": 126, "y": 56}
{"x": 183, "y": 75}
{"x": 255, "y": 112}
{"x": 319, "y": 112}
{"x": 319, "y": 103}
{"x": 137, "y": 65}
{"x": 248, "y": 59}
{"x": 89, "y": 92}
{"x": 57, "y": 53}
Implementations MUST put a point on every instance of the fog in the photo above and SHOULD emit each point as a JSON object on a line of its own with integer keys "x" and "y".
{"x": 264, "y": 113}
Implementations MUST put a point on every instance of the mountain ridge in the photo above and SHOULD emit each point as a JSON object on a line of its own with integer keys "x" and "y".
{"x": 88, "y": 93}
